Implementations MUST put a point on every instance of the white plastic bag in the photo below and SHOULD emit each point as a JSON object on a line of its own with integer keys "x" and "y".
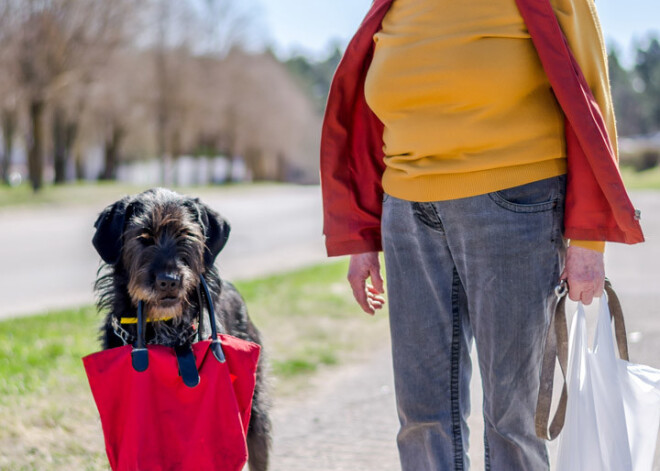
{"x": 613, "y": 408}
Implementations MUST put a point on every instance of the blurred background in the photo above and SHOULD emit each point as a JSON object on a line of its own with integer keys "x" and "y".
{"x": 213, "y": 91}
{"x": 224, "y": 99}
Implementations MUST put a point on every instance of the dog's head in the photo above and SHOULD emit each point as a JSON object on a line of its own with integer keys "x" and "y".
{"x": 164, "y": 241}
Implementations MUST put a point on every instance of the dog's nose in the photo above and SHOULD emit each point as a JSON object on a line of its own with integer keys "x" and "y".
{"x": 167, "y": 282}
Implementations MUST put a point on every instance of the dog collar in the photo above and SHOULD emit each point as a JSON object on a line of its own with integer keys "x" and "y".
{"x": 133, "y": 320}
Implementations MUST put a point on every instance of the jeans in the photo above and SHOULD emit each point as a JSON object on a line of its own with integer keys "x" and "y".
{"x": 481, "y": 268}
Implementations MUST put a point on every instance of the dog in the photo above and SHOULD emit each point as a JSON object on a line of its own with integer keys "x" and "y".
{"x": 155, "y": 246}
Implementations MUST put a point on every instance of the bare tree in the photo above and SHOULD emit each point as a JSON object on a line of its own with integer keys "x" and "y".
{"x": 9, "y": 90}
{"x": 119, "y": 105}
{"x": 57, "y": 41}
{"x": 224, "y": 25}
{"x": 176, "y": 72}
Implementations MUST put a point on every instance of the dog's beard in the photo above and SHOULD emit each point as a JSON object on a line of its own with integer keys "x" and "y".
{"x": 155, "y": 307}
{"x": 158, "y": 306}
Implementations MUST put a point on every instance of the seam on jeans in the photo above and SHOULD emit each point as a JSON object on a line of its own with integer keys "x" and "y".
{"x": 455, "y": 374}
{"x": 486, "y": 448}
{"x": 557, "y": 216}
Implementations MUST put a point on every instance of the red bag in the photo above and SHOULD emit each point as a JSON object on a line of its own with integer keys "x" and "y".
{"x": 157, "y": 415}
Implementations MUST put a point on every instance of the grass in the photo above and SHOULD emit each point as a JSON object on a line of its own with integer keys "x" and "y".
{"x": 644, "y": 180}
{"x": 48, "y": 419}
{"x": 90, "y": 193}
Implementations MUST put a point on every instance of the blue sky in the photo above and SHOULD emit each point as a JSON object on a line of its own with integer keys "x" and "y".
{"x": 309, "y": 25}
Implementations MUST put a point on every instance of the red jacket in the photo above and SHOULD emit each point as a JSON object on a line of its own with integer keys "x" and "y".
{"x": 597, "y": 205}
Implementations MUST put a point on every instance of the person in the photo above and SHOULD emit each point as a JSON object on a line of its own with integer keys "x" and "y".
{"x": 471, "y": 142}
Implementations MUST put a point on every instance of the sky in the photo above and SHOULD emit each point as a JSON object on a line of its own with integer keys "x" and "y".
{"x": 309, "y": 26}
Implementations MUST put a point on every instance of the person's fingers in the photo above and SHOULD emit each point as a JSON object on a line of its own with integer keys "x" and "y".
{"x": 376, "y": 278}
{"x": 362, "y": 267}
{"x": 585, "y": 274}
{"x": 599, "y": 287}
{"x": 587, "y": 297}
{"x": 358, "y": 286}
{"x": 376, "y": 301}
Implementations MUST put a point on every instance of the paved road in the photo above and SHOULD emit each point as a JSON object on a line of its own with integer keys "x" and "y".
{"x": 47, "y": 260}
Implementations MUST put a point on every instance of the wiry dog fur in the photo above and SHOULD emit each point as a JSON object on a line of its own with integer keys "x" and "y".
{"x": 155, "y": 247}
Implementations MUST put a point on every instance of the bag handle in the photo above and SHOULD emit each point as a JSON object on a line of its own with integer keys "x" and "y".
{"x": 616, "y": 314}
{"x": 140, "y": 354}
{"x": 556, "y": 346}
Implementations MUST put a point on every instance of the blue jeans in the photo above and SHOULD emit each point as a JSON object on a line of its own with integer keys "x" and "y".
{"x": 482, "y": 267}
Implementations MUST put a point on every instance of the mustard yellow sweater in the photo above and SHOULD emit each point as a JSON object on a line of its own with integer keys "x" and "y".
{"x": 466, "y": 105}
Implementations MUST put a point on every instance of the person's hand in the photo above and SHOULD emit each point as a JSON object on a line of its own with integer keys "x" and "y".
{"x": 363, "y": 266}
{"x": 585, "y": 274}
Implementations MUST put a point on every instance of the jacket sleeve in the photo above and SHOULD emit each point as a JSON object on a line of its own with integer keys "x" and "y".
{"x": 352, "y": 150}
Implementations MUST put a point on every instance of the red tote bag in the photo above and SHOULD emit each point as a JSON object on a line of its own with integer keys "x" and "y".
{"x": 181, "y": 408}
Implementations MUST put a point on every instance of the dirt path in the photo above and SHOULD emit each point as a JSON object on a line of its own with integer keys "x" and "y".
{"x": 348, "y": 422}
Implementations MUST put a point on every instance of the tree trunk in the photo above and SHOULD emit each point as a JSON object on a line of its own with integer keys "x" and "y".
{"x": 111, "y": 153}
{"x": 8, "y": 130}
{"x": 60, "y": 145}
{"x": 70, "y": 135}
{"x": 79, "y": 164}
{"x": 35, "y": 152}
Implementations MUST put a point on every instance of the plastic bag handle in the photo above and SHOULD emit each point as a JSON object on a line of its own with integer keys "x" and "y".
{"x": 556, "y": 347}
{"x": 140, "y": 354}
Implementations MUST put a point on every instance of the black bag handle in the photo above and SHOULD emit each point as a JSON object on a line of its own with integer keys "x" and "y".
{"x": 140, "y": 354}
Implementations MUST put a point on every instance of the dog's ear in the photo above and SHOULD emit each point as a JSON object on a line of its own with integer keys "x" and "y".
{"x": 109, "y": 226}
{"x": 216, "y": 230}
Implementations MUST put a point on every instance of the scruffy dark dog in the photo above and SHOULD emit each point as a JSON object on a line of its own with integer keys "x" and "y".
{"x": 155, "y": 247}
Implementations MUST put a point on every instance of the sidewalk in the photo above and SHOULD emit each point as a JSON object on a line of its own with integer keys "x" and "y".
{"x": 347, "y": 423}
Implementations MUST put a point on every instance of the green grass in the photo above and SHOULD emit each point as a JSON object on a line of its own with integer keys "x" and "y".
{"x": 36, "y": 351}
{"x": 92, "y": 193}
{"x": 309, "y": 318}
{"x": 48, "y": 419}
{"x": 644, "y": 180}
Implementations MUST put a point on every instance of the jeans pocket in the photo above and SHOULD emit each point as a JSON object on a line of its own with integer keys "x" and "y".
{"x": 535, "y": 197}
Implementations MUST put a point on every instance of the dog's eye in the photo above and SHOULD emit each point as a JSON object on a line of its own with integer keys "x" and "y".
{"x": 146, "y": 238}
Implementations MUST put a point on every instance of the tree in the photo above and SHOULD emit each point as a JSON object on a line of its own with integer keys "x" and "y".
{"x": 57, "y": 41}
{"x": 315, "y": 77}
{"x": 118, "y": 105}
{"x": 626, "y": 99}
{"x": 647, "y": 68}
{"x": 9, "y": 90}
